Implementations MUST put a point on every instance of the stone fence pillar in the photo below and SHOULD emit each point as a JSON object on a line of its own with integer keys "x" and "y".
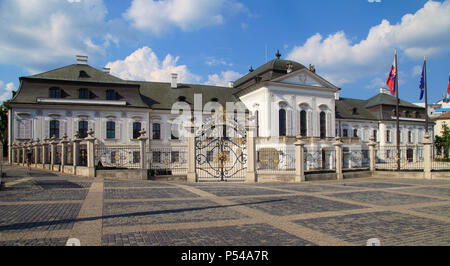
{"x": 36, "y": 152}
{"x": 427, "y": 156}
{"x": 299, "y": 160}
{"x": 250, "y": 176}
{"x": 338, "y": 148}
{"x": 372, "y": 154}
{"x": 143, "y": 141}
{"x": 53, "y": 144}
{"x": 24, "y": 153}
{"x": 91, "y": 153}
{"x": 76, "y": 152}
{"x": 64, "y": 143}
{"x": 191, "y": 173}
{"x": 44, "y": 152}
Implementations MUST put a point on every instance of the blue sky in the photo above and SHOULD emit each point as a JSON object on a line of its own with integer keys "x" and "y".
{"x": 351, "y": 43}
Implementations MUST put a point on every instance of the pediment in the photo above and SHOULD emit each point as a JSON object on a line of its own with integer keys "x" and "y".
{"x": 305, "y": 78}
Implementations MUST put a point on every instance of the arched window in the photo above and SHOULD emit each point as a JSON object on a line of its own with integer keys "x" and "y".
{"x": 110, "y": 130}
{"x": 323, "y": 125}
{"x": 282, "y": 122}
{"x": 355, "y": 133}
{"x": 303, "y": 127}
{"x": 82, "y": 128}
{"x": 54, "y": 128}
{"x": 136, "y": 130}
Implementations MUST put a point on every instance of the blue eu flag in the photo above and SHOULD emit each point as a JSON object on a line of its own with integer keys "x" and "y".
{"x": 422, "y": 82}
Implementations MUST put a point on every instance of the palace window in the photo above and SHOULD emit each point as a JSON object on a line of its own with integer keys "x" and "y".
{"x": 110, "y": 95}
{"x": 282, "y": 122}
{"x": 54, "y": 128}
{"x": 375, "y": 134}
{"x": 323, "y": 123}
{"x": 345, "y": 132}
{"x": 82, "y": 128}
{"x": 156, "y": 130}
{"x": 136, "y": 130}
{"x": 388, "y": 136}
{"x": 303, "y": 127}
{"x": 110, "y": 130}
{"x": 410, "y": 137}
{"x": 84, "y": 93}
{"x": 55, "y": 93}
{"x": 355, "y": 133}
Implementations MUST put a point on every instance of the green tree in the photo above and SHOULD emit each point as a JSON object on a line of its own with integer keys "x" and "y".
{"x": 4, "y": 126}
{"x": 444, "y": 140}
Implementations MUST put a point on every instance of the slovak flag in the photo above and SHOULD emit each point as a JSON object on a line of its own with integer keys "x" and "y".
{"x": 448, "y": 88}
{"x": 392, "y": 77}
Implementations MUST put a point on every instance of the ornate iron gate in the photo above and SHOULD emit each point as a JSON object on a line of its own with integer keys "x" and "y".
{"x": 221, "y": 152}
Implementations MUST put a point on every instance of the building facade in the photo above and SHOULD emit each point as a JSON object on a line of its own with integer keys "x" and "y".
{"x": 284, "y": 98}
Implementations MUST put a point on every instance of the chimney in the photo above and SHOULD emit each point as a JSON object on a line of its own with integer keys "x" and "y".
{"x": 231, "y": 84}
{"x": 336, "y": 95}
{"x": 82, "y": 59}
{"x": 107, "y": 70}
{"x": 383, "y": 90}
{"x": 174, "y": 77}
{"x": 312, "y": 68}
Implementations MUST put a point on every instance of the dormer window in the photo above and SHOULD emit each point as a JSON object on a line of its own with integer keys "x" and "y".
{"x": 354, "y": 111}
{"x": 84, "y": 93}
{"x": 182, "y": 98}
{"x": 83, "y": 74}
{"x": 214, "y": 99}
{"x": 110, "y": 95}
{"x": 55, "y": 93}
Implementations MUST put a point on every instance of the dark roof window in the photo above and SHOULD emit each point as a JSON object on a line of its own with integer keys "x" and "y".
{"x": 182, "y": 98}
{"x": 84, "y": 93}
{"x": 55, "y": 93}
{"x": 110, "y": 95}
{"x": 83, "y": 74}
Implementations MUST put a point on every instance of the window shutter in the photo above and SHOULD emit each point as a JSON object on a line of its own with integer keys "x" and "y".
{"x": 329, "y": 133}
{"x": 289, "y": 122}
{"x": 130, "y": 129}
{"x": 309, "y": 130}
{"x": 46, "y": 128}
{"x": 118, "y": 128}
{"x": 62, "y": 128}
{"x": 104, "y": 129}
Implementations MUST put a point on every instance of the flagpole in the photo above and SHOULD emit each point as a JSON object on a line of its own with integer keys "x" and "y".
{"x": 426, "y": 98}
{"x": 397, "y": 112}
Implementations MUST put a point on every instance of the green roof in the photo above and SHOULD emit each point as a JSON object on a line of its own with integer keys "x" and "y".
{"x": 72, "y": 73}
{"x": 387, "y": 99}
{"x": 269, "y": 71}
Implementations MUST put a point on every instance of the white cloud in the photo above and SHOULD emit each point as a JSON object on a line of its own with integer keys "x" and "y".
{"x": 223, "y": 79}
{"x": 416, "y": 71}
{"x": 6, "y": 91}
{"x": 159, "y": 16}
{"x": 41, "y": 32}
{"x": 143, "y": 64}
{"x": 374, "y": 1}
{"x": 212, "y": 61}
{"x": 426, "y": 32}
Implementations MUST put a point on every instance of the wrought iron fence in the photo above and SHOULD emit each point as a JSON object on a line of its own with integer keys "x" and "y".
{"x": 440, "y": 160}
{"x": 38, "y": 155}
{"x": 272, "y": 160}
{"x": 58, "y": 154}
{"x": 354, "y": 159}
{"x": 319, "y": 159}
{"x": 69, "y": 155}
{"x": 167, "y": 160}
{"x": 411, "y": 158}
{"x": 48, "y": 155}
{"x": 82, "y": 155}
{"x": 117, "y": 156}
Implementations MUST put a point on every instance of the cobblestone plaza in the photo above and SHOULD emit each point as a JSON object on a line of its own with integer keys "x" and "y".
{"x": 46, "y": 209}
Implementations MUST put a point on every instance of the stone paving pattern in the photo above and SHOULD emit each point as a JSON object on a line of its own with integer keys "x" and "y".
{"x": 40, "y": 208}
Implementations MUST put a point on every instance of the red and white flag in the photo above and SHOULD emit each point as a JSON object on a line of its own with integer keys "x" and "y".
{"x": 392, "y": 77}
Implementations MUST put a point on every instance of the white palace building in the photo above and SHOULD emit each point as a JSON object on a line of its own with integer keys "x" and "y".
{"x": 285, "y": 99}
